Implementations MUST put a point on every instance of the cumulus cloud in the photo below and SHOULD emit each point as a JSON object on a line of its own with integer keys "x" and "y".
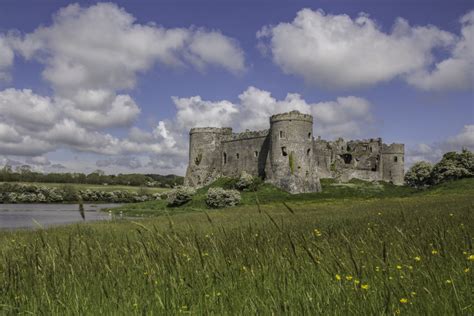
{"x": 337, "y": 51}
{"x": 343, "y": 117}
{"x": 455, "y": 72}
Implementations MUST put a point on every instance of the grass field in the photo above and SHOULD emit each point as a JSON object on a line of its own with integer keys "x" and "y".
{"x": 356, "y": 250}
{"x": 80, "y": 186}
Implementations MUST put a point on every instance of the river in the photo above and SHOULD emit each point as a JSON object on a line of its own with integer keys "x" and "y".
{"x": 15, "y": 216}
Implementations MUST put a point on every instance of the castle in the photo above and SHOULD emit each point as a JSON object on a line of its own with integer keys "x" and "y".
{"x": 288, "y": 156}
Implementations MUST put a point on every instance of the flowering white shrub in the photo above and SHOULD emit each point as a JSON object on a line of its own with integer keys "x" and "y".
{"x": 219, "y": 198}
{"x": 180, "y": 196}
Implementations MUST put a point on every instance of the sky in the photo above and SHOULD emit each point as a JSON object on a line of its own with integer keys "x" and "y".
{"x": 116, "y": 86}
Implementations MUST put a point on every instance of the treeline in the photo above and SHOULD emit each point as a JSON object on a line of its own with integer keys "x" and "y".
{"x": 30, "y": 193}
{"x": 452, "y": 166}
{"x": 26, "y": 174}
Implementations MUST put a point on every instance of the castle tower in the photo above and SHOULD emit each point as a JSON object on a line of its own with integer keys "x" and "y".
{"x": 393, "y": 161}
{"x": 205, "y": 155}
{"x": 291, "y": 153}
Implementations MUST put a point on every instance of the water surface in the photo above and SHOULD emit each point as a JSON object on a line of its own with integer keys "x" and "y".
{"x": 14, "y": 216}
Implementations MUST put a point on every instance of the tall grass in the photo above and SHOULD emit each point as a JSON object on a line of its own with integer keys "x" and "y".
{"x": 379, "y": 256}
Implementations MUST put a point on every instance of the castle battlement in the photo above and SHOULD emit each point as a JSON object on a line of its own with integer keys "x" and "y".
{"x": 291, "y": 116}
{"x": 288, "y": 156}
{"x": 246, "y": 135}
{"x": 212, "y": 130}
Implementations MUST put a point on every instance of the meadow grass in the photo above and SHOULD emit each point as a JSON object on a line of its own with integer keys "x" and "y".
{"x": 386, "y": 255}
{"x": 98, "y": 187}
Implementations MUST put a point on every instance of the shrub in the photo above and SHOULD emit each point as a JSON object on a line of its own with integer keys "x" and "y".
{"x": 246, "y": 182}
{"x": 180, "y": 195}
{"x": 219, "y": 198}
{"x": 419, "y": 175}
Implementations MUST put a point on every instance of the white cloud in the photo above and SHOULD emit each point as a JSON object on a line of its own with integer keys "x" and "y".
{"x": 6, "y": 59}
{"x": 76, "y": 55}
{"x": 347, "y": 116}
{"x": 25, "y": 109}
{"x": 216, "y": 49}
{"x": 120, "y": 111}
{"x": 337, "y": 51}
{"x": 195, "y": 112}
{"x": 455, "y": 72}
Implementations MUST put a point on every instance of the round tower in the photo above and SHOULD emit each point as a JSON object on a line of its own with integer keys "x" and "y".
{"x": 291, "y": 153}
{"x": 205, "y": 155}
{"x": 393, "y": 163}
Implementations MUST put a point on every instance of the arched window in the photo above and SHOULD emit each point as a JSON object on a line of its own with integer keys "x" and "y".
{"x": 308, "y": 151}
{"x": 283, "y": 151}
{"x": 309, "y": 135}
{"x": 395, "y": 159}
{"x": 225, "y": 158}
{"x": 282, "y": 134}
{"x": 237, "y": 155}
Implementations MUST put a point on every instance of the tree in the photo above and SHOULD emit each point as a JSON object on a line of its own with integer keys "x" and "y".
{"x": 419, "y": 175}
{"x": 453, "y": 166}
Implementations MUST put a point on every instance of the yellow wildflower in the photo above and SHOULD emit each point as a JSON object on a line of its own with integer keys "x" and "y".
{"x": 403, "y": 300}
{"x": 377, "y": 269}
{"x": 448, "y": 282}
{"x": 399, "y": 267}
{"x": 410, "y": 267}
{"x": 434, "y": 252}
{"x": 413, "y": 294}
{"x": 348, "y": 277}
{"x": 464, "y": 253}
{"x": 364, "y": 286}
{"x": 338, "y": 277}
{"x": 397, "y": 311}
{"x": 470, "y": 258}
{"x": 356, "y": 282}
{"x": 317, "y": 233}
{"x": 466, "y": 270}
{"x": 418, "y": 258}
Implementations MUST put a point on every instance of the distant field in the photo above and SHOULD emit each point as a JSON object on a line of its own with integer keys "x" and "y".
{"x": 357, "y": 250}
{"x": 94, "y": 186}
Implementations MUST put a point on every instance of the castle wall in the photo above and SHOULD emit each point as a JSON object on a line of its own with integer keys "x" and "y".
{"x": 247, "y": 152}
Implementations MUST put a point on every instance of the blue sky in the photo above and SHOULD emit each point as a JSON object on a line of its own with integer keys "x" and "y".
{"x": 116, "y": 86}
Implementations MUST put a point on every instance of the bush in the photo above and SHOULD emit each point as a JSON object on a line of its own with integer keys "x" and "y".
{"x": 419, "y": 175}
{"x": 179, "y": 196}
{"x": 219, "y": 198}
{"x": 247, "y": 182}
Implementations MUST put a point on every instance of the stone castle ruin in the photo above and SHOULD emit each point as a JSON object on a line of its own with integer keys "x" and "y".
{"x": 288, "y": 156}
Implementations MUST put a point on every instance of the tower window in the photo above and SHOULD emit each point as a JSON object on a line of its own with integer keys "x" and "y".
{"x": 309, "y": 135}
{"x": 282, "y": 134}
{"x": 237, "y": 155}
{"x": 395, "y": 159}
{"x": 308, "y": 151}
{"x": 225, "y": 158}
{"x": 371, "y": 149}
{"x": 283, "y": 151}
{"x": 255, "y": 153}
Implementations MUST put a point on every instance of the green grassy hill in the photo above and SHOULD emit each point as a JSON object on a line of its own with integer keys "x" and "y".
{"x": 354, "y": 250}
